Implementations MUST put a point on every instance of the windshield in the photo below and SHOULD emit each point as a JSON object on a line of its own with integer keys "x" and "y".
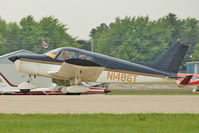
{"x": 53, "y": 53}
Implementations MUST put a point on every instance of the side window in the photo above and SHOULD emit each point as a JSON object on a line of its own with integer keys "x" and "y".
{"x": 74, "y": 55}
{"x": 83, "y": 56}
{"x": 65, "y": 54}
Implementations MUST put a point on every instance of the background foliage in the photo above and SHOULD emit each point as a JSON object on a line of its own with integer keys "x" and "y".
{"x": 28, "y": 34}
{"x": 145, "y": 39}
{"x": 137, "y": 39}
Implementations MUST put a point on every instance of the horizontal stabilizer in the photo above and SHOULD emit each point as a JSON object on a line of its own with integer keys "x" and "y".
{"x": 186, "y": 79}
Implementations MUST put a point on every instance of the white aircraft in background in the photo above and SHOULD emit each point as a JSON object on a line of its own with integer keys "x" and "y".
{"x": 8, "y": 88}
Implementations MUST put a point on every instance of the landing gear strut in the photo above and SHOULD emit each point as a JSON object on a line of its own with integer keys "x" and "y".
{"x": 75, "y": 81}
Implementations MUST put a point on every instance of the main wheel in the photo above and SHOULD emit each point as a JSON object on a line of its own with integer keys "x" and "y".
{"x": 70, "y": 93}
{"x": 25, "y": 91}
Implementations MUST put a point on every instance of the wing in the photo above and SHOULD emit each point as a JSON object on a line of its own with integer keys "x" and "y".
{"x": 70, "y": 71}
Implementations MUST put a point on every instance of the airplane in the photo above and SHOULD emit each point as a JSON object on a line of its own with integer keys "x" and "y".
{"x": 79, "y": 65}
{"x": 189, "y": 80}
{"x": 7, "y": 88}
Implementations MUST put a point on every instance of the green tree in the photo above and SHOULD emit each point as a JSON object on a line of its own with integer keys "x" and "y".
{"x": 85, "y": 44}
{"x": 143, "y": 38}
{"x": 55, "y": 33}
{"x": 195, "y": 55}
{"x": 13, "y": 37}
{"x": 3, "y": 34}
{"x": 30, "y": 34}
{"x": 191, "y": 35}
{"x": 133, "y": 37}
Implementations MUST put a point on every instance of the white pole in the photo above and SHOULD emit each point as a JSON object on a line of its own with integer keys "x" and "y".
{"x": 92, "y": 45}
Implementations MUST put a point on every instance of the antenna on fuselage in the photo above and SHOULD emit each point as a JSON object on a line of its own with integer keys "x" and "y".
{"x": 135, "y": 57}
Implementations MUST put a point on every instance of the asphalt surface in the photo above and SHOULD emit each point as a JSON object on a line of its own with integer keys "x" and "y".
{"x": 117, "y": 104}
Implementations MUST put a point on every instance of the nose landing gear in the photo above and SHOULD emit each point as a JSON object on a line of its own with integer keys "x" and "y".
{"x": 25, "y": 87}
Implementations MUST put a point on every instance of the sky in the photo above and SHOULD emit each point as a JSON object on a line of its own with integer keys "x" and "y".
{"x": 81, "y": 16}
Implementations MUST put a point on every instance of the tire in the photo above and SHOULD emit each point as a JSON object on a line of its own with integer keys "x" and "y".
{"x": 70, "y": 93}
{"x": 25, "y": 91}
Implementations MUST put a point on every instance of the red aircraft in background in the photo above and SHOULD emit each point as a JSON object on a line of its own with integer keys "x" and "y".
{"x": 189, "y": 80}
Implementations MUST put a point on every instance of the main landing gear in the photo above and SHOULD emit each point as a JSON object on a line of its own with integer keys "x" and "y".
{"x": 75, "y": 81}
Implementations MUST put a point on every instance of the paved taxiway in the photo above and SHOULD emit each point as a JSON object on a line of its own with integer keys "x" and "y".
{"x": 99, "y": 104}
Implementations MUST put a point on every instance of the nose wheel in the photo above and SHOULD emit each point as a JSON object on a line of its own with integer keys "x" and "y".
{"x": 26, "y": 86}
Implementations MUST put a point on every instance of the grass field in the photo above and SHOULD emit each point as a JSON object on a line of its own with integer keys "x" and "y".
{"x": 152, "y": 92}
{"x": 99, "y": 123}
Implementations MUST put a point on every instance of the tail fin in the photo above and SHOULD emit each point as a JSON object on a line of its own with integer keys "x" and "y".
{"x": 5, "y": 82}
{"x": 171, "y": 60}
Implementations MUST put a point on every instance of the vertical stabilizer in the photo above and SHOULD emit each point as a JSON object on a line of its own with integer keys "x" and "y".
{"x": 171, "y": 60}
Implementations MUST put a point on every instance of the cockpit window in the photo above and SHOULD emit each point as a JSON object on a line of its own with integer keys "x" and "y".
{"x": 83, "y": 56}
{"x": 53, "y": 53}
{"x": 66, "y": 54}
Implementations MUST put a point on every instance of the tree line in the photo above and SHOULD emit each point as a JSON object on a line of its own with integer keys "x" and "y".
{"x": 141, "y": 39}
{"x": 28, "y": 35}
{"x": 137, "y": 39}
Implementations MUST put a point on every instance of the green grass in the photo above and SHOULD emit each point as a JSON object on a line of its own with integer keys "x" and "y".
{"x": 152, "y": 92}
{"x": 99, "y": 123}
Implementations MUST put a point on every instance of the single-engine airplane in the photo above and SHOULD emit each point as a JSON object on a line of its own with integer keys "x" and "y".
{"x": 79, "y": 65}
